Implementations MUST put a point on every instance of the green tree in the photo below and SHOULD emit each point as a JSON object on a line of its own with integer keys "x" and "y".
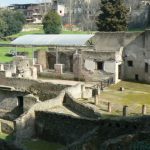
{"x": 3, "y": 28}
{"x": 113, "y": 16}
{"x": 52, "y": 23}
{"x": 14, "y": 21}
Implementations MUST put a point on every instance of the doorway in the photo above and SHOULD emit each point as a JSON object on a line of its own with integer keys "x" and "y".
{"x": 137, "y": 77}
{"x": 100, "y": 65}
{"x": 119, "y": 71}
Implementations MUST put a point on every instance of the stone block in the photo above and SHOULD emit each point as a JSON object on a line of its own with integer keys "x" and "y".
{"x": 77, "y": 65}
{"x": 33, "y": 72}
{"x": 8, "y": 74}
{"x": 39, "y": 68}
{"x": 59, "y": 68}
{"x": 1, "y": 67}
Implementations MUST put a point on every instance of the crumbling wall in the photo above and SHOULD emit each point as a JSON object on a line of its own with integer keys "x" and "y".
{"x": 43, "y": 90}
{"x": 80, "y": 108}
{"x": 114, "y": 134}
{"x": 54, "y": 132}
{"x": 24, "y": 125}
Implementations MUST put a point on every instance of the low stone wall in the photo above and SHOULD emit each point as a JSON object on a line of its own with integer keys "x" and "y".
{"x": 62, "y": 128}
{"x": 44, "y": 91}
{"x": 24, "y": 125}
{"x": 80, "y": 108}
{"x": 115, "y": 134}
{"x": 79, "y": 91}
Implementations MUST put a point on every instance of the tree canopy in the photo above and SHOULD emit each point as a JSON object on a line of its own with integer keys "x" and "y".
{"x": 52, "y": 23}
{"x": 11, "y": 22}
{"x": 113, "y": 16}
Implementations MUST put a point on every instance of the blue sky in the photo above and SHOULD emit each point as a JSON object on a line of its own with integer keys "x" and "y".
{"x": 8, "y": 2}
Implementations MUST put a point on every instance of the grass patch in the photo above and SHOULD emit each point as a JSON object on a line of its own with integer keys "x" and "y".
{"x": 6, "y": 137}
{"x": 5, "y": 50}
{"x": 76, "y": 32}
{"x": 3, "y": 136}
{"x": 42, "y": 145}
{"x": 138, "y": 93}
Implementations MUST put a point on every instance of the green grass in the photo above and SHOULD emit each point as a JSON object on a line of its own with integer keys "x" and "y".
{"x": 42, "y": 145}
{"x": 5, "y": 50}
{"x": 3, "y": 136}
{"x": 138, "y": 93}
{"x": 76, "y": 32}
{"x": 26, "y": 33}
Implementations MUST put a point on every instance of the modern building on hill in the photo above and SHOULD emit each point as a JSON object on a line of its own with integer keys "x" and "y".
{"x": 33, "y": 12}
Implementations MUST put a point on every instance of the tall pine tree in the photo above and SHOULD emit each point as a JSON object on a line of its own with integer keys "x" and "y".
{"x": 113, "y": 16}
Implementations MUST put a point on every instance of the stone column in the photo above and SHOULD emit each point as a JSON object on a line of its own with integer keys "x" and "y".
{"x": 144, "y": 110}
{"x": 57, "y": 56}
{"x": 147, "y": 39}
{"x": 0, "y": 127}
{"x": 109, "y": 107}
{"x": 77, "y": 65}
{"x": 59, "y": 69}
{"x": 96, "y": 100}
{"x": 42, "y": 59}
{"x": 1, "y": 67}
{"x": 125, "y": 111}
{"x": 82, "y": 91}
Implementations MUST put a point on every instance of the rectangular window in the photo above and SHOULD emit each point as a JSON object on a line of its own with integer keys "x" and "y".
{"x": 130, "y": 63}
{"x": 146, "y": 67}
{"x": 100, "y": 65}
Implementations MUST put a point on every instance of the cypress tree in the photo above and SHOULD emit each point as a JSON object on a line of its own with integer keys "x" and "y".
{"x": 113, "y": 16}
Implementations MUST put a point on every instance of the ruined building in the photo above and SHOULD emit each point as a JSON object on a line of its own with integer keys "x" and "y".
{"x": 112, "y": 56}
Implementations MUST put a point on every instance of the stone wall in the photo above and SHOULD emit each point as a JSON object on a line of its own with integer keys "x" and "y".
{"x": 137, "y": 52}
{"x": 61, "y": 128}
{"x": 114, "y": 134}
{"x": 24, "y": 125}
{"x": 112, "y": 41}
{"x": 130, "y": 141}
{"x": 80, "y": 108}
{"x": 135, "y": 48}
{"x": 33, "y": 86}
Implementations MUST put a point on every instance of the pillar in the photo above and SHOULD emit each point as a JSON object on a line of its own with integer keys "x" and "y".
{"x": 96, "y": 100}
{"x": 77, "y": 65}
{"x": 144, "y": 110}
{"x": 0, "y": 127}
{"x": 42, "y": 58}
{"x": 59, "y": 68}
{"x": 109, "y": 107}
{"x": 125, "y": 111}
{"x": 82, "y": 91}
{"x": 147, "y": 39}
{"x": 1, "y": 67}
{"x": 57, "y": 56}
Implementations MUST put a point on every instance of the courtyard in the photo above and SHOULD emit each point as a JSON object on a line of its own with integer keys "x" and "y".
{"x": 134, "y": 96}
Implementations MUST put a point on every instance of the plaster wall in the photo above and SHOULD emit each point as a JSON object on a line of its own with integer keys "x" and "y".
{"x": 90, "y": 64}
{"x": 109, "y": 66}
{"x": 112, "y": 41}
